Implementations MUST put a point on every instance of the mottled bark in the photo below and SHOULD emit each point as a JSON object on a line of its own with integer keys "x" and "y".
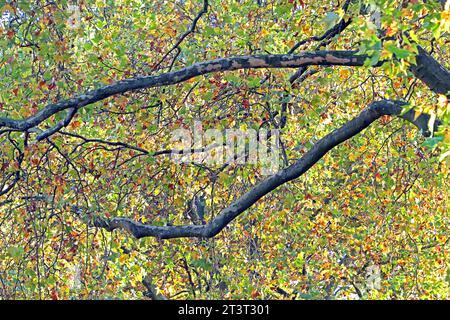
{"x": 427, "y": 69}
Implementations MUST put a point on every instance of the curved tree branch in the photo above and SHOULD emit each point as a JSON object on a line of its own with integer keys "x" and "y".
{"x": 346, "y": 58}
{"x": 348, "y": 130}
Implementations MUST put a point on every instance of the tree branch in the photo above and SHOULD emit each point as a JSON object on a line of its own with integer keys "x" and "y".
{"x": 188, "y": 32}
{"x": 143, "y": 151}
{"x": 324, "y": 39}
{"x": 431, "y": 72}
{"x": 63, "y": 123}
{"x": 346, "y": 58}
{"x": 428, "y": 70}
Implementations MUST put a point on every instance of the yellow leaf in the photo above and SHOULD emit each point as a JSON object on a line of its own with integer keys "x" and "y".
{"x": 416, "y": 114}
{"x": 407, "y": 13}
{"x": 178, "y": 201}
{"x": 170, "y": 31}
{"x": 59, "y": 58}
{"x": 392, "y": 29}
{"x": 7, "y": 7}
{"x": 122, "y": 258}
{"x": 344, "y": 74}
{"x": 306, "y": 28}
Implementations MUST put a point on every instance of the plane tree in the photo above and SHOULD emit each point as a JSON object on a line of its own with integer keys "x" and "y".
{"x": 90, "y": 193}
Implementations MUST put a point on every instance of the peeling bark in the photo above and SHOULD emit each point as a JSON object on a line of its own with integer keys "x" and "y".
{"x": 427, "y": 69}
{"x": 347, "y": 58}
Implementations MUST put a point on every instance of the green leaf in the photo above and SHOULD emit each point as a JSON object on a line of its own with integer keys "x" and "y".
{"x": 431, "y": 143}
{"x": 15, "y": 252}
{"x": 399, "y": 52}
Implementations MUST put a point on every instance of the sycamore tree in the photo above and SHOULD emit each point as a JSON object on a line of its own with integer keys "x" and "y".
{"x": 98, "y": 200}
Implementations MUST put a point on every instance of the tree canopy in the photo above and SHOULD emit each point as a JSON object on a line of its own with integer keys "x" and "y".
{"x": 99, "y": 201}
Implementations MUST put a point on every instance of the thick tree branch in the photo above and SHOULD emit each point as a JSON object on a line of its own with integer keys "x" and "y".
{"x": 346, "y": 58}
{"x": 431, "y": 72}
{"x": 188, "y": 32}
{"x": 348, "y": 130}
